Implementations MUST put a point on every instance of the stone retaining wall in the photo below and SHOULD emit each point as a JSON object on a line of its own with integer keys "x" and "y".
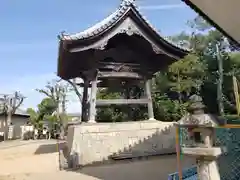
{"x": 91, "y": 143}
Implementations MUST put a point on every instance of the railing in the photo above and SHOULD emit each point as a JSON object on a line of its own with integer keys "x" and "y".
{"x": 229, "y": 161}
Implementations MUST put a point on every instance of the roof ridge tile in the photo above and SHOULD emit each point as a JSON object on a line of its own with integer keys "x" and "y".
{"x": 101, "y": 25}
{"x": 112, "y": 19}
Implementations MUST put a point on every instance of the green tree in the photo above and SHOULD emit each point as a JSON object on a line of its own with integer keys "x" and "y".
{"x": 56, "y": 93}
{"x": 47, "y": 106}
{"x": 186, "y": 74}
{"x": 166, "y": 109}
{"x": 9, "y": 104}
{"x": 35, "y": 118}
{"x": 111, "y": 113}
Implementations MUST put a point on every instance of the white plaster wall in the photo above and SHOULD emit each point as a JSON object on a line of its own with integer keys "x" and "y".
{"x": 17, "y": 122}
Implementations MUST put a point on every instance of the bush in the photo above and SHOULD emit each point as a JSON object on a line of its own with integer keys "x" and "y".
{"x": 169, "y": 110}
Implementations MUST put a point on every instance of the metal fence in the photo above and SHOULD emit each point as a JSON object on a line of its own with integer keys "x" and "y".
{"x": 229, "y": 162}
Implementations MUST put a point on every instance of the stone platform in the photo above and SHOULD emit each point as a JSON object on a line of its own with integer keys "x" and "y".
{"x": 89, "y": 144}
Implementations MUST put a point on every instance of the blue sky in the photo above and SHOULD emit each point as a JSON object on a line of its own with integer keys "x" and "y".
{"x": 29, "y": 29}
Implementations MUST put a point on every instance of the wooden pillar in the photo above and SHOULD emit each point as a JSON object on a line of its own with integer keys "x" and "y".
{"x": 149, "y": 97}
{"x": 128, "y": 108}
{"x": 85, "y": 101}
{"x": 92, "y": 103}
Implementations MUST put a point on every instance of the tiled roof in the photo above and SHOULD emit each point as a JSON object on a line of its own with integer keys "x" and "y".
{"x": 19, "y": 112}
{"x": 74, "y": 114}
{"x": 102, "y": 25}
{"x": 112, "y": 19}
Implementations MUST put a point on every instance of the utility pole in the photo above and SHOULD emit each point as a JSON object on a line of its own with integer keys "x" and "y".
{"x": 220, "y": 81}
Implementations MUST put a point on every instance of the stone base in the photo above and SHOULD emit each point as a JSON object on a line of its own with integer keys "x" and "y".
{"x": 209, "y": 153}
{"x": 90, "y": 143}
{"x": 152, "y": 119}
{"x": 91, "y": 121}
{"x": 208, "y": 170}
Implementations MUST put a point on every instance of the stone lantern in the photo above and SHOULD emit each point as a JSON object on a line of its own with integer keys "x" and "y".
{"x": 201, "y": 129}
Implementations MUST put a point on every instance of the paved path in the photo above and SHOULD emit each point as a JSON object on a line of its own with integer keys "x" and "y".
{"x": 48, "y": 176}
{"x": 17, "y": 143}
{"x": 38, "y": 160}
{"x": 33, "y": 160}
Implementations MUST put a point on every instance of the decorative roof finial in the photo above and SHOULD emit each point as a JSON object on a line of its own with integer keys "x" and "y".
{"x": 61, "y": 35}
{"x": 128, "y": 1}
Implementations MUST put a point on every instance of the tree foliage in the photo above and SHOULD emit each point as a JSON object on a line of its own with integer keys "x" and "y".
{"x": 52, "y": 108}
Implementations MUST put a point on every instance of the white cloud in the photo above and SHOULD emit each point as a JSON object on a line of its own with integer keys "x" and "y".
{"x": 163, "y": 7}
{"x": 28, "y": 85}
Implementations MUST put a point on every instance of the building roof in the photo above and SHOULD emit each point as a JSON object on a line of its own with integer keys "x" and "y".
{"x": 74, "y": 114}
{"x": 125, "y": 7}
{"x": 21, "y": 112}
{"x": 125, "y": 21}
{"x": 224, "y": 16}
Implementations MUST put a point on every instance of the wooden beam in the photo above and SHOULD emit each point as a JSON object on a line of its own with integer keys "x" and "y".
{"x": 111, "y": 82}
{"x": 111, "y": 67}
{"x": 106, "y": 102}
{"x": 131, "y": 75}
{"x": 99, "y": 84}
{"x": 119, "y": 63}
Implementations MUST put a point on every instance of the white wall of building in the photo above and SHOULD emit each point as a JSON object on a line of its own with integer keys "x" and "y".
{"x": 17, "y": 121}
